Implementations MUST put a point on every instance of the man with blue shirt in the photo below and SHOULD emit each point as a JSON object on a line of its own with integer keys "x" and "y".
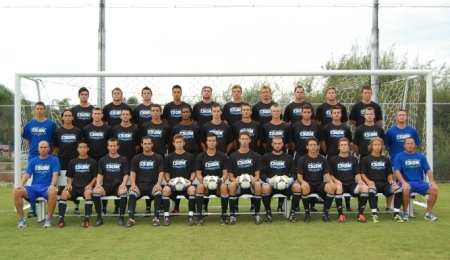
{"x": 410, "y": 167}
{"x": 45, "y": 171}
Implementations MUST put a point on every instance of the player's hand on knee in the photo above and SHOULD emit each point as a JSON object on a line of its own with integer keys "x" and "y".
{"x": 157, "y": 188}
{"x": 18, "y": 189}
{"x": 51, "y": 188}
{"x": 433, "y": 185}
{"x": 406, "y": 186}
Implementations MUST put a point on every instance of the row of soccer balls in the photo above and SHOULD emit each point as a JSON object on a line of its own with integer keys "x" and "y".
{"x": 244, "y": 180}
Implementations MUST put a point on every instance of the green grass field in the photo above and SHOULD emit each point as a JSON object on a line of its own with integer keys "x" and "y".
{"x": 416, "y": 239}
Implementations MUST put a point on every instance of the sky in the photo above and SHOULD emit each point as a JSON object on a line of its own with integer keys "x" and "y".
{"x": 153, "y": 36}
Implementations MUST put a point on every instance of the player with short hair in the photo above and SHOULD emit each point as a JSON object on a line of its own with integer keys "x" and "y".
{"x": 45, "y": 171}
{"x": 410, "y": 167}
{"x": 366, "y": 132}
{"x": 82, "y": 112}
{"x": 344, "y": 171}
{"x": 249, "y": 125}
{"x": 189, "y": 130}
{"x": 97, "y": 135}
{"x": 261, "y": 111}
{"x": 179, "y": 164}
{"x": 312, "y": 169}
{"x": 357, "y": 113}
{"x": 211, "y": 163}
{"x": 302, "y": 131}
{"x": 275, "y": 127}
{"x": 334, "y": 131}
{"x": 141, "y": 113}
{"x": 293, "y": 111}
{"x": 127, "y": 134}
{"x": 112, "y": 177}
{"x": 113, "y": 110}
{"x": 146, "y": 176}
{"x": 202, "y": 110}
{"x": 277, "y": 163}
{"x": 323, "y": 112}
{"x": 220, "y": 129}
{"x": 232, "y": 110}
{"x": 376, "y": 172}
{"x": 172, "y": 114}
{"x": 158, "y": 131}
{"x": 81, "y": 177}
{"x": 244, "y": 161}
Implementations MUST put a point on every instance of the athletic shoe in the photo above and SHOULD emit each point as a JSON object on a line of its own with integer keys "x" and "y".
{"x": 85, "y": 223}
{"x": 190, "y": 221}
{"x": 398, "y": 219}
{"x": 104, "y": 211}
{"x": 297, "y": 209}
{"x": 429, "y": 216}
{"x": 147, "y": 213}
{"x": 166, "y": 221}
{"x": 341, "y": 219}
{"x": 232, "y": 220}
{"x": 223, "y": 221}
{"x": 98, "y": 223}
{"x": 361, "y": 218}
{"x": 130, "y": 223}
{"x": 199, "y": 221}
{"x": 375, "y": 218}
{"x": 22, "y": 223}
{"x": 116, "y": 211}
{"x": 258, "y": 220}
{"x": 120, "y": 223}
{"x": 307, "y": 218}
{"x": 349, "y": 209}
{"x": 405, "y": 216}
{"x": 268, "y": 218}
{"x": 326, "y": 218}
{"x": 61, "y": 224}
{"x": 388, "y": 210}
{"x": 76, "y": 212}
{"x": 47, "y": 222}
{"x": 31, "y": 214}
{"x": 156, "y": 222}
{"x": 292, "y": 218}
{"x": 175, "y": 211}
{"x": 280, "y": 209}
{"x": 252, "y": 208}
{"x": 313, "y": 209}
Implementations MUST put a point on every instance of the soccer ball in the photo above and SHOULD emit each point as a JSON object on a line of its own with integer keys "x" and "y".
{"x": 211, "y": 182}
{"x": 281, "y": 183}
{"x": 179, "y": 183}
{"x": 245, "y": 181}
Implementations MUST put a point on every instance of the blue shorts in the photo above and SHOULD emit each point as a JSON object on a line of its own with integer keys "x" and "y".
{"x": 420, "y": 187}
{"x": 36, "y": 191}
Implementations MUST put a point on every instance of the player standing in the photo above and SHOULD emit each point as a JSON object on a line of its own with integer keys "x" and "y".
{"x": 141, "y": 113}
{"x": 323, "y": 112}
{"x": 158, "y": 131}
{"x": 82, "y": 112}
{"x": 220, "y": 129}
{"x": 189, "y": 130}
{"x": 293, "y": 111}
{"x": 172, "y": 114}
{"x": 202, "y": 110}
{"x": 358, "y": 110}
{"x": 127, "y": 135}
{"x": 232, "y": 110}
{"x": 249, "y": 125}
{"x": 97, "y": 135}
{"x": 113, "y": 110}
{"x": 275, "y": 127}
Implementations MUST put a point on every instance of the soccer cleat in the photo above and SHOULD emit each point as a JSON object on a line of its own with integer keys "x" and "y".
{"x": 349, "y": 209}
{"x": 61, "y": 224}
{"x": 223, "y": 221}
{"x": 269, "y": 218}
{"x": 98, "y": 223}
{"x": 258, "y": 220}
{"x": 326, "y": 218}
{"x": 313, "y": 209}
{"x": 104, "y": 211}
{"x": 199, "y": 221}
{"x": 190, "y": 221}
{"x": 121, "y": 223}
{"x": 22, "y": 223}
{"x": 166, "y": 222}
{"x": 148, "y": 211}
{"x": 341, "y": 219}
{"x": 156, "y": 222}
{"x": 232, "y": 220}
{"x": 405, "y": 216}
{"x": 307, "y": 218}
{"x": 292, "y": 218}
{"x": 297, "y": 209}
{"x": 175, "y": 211}
{"x": 76, "y": 212}
{"x": 85, "y": 223}
{"x": 252, "y": 208}
{"x": 429, "y": 216}
{"x": 375, "y": 218}
{"x": 398, "y": 219}
{"x": 31, "y": 214}
{"x": 47, "y": 222}
{"x": 280, "y": 209}
{"x": 361, "y": 218}
{"x": 130, "y": 223}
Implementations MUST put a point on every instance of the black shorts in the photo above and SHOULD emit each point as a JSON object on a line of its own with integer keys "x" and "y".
{"x": 286, "y": 192}
{"x": 175, "y": 193}
{"x": 215, "y": 192}
{"x": 76, "y": 192}
{"x": 145, "y": 189}
{"x": 242, "y": 191}
{"x": 383, "y": 187}
{"x": 350, "y": 188}
{"x": 319, "y": 188}
{"x": 111, "y": 191}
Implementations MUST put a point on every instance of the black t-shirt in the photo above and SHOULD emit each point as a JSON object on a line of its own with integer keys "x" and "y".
{"x": 312, "y": 169}
{"x": 202, "y": 113}
{"x": 111, "y": 113}
{"x": 191, "y": 134}
{"x": 172, "y": 113}
{"x": 344, "y": 168}
{"x": 113, "y": 170}
{"x": 241, "y": 163}
{"x": 129, "y": 138}
{"x": 97, "y": 137}
{"x": 282, "y": 164}
{"x": 359, "y": 109}
{"x": 363, "y": 135}
{"x": 223, "y": 133}
{"x": 147, "y": 168}
{"x": 180, "y": 165}
{"x": 323, "y": 113}
{"x": 82, "y": 171}
{"x": 82, "y": 116}
{"x": 293, "y": 112}
{"x": 66, "y": 141}
{"x": 376, "y": 169}
{"x": 141, "y": 115}
{"x": 254, "y": 128}
{"x": 261, "y": 112}
{"x": 301, "y": 133}
{"x": 232, "y": 112}
{"x": 211, "y": 165}
{"x": 269, "y": 131}
{"x": 331, "y": 134}
{"x": 160, "y": 134}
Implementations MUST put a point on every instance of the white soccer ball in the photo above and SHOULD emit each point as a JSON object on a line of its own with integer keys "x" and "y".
{"x": 211, "y": 182}
{"x": 179, "y": 183}
{"x": 281, "y": 183}
{"x": 244, "y": 181}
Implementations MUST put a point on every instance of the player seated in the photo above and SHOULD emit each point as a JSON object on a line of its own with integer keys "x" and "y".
{"x": 376, "y": 172}
{"x": 81, "y": 177}
{"x": 179, "y": 175}
{"x": 278, "y": 168}
{"x": 344, "y": 171}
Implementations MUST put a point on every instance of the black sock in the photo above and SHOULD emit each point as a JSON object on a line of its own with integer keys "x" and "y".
{"x": 104, "y": 204}
{"x": 199, "y": 198}
{"x": 280, "y": 202}
{"x": 177, "y": 204}
{"x": 132, "y": 197}
{"x": 266, "y": 201}
{"x": 97, "y": 204}
{"x": 117, "y": 205}
{"x": 122, "y": 205}
{"x": 62, "y": 206}
{"x": 372, "y": 200}
{"x": 205, "y": 204}
{"x": 306, "y": 201}
{"x": 257, "y": 203}
{"x": 362, "y": 202}
{"x": 237, "y": 201}
{"x": 224, "y": 202}
{"x": 339, "y": 203}
{"x": 158, "y": 203}
{"x": 295, "y": 201}
{"x": 252, "y": 201}
{"x": 347, "y": 202}
{"x": 148, "y": 204}
{"x": 312, "y": 202}
{"x": 232, "y": 205}
{"x": 328, "y": 201}
{"x": 398, "y": 199}
{"x": 77, "y": 204}
{"x": 191, "y": 205}
{"x": 166, "y": 203}
{"x": 87, "y": 209}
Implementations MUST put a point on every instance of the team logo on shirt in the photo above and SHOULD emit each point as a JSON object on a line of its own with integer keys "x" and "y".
{"x": 179, "y": 163}
{"x": 337, "y": 133}
{"x": 188, "y": 134}
{"x": 235, "y": 110}
{"x": 176, "y": 113}
{"x": 113, "y": 167}
{"x": 370, "y": 135}
{"x": 83, "y": 115}
{"x": 315, "y": 167}
{"x": 206, "y": 111}
{"x": 345, "y": 166}
{"x": 154, "y": 132}
{"x": 402, "y": 137}
{"x": 245, "y": 163}
{"x": 297, "y": 111}
{"x": 41, "y": 168}
{"x": 362, "y": 112}
{"x": 212, "y": 165}
{"x": 275, "y": 133}
{"x": 82, "y": 167}
{"x": 250, "y": 130}
{"x": 145, "y": 114}
{"x": 124, "y": 136}
{"x": 115, "y": 113}
{"x": 147, "y": 165}
{"x": 217, "y": 132}
{"x": 68, "y": 138}
{"x": 378, "y": 165}
{"x": 412, "y": 163}
{"x": 265, "y": 112}
{"x": 277, "y": 164}
{"x": 306, "y": 134}
{"x": 38, "y": 130}
{"x": 328, "y": 113}
{"x": 96, "y": 135}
